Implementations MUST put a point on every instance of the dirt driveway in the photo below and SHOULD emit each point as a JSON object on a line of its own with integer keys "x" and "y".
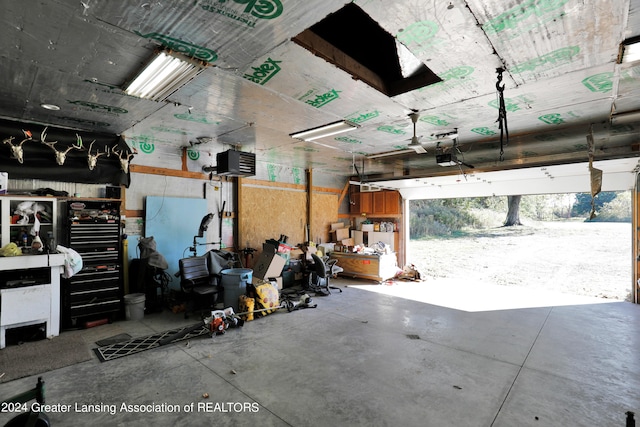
{"x": 579, "y": 258}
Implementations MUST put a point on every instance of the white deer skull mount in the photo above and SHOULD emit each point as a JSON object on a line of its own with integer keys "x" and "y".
{"x": 61, "y": 156}
{"x": 92, "y": 159}
{"x": 124, "y": 159}
{"x": 16, "y": 149}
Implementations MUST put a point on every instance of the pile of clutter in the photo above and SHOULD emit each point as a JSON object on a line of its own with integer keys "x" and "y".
{"x": 221, "y": 320}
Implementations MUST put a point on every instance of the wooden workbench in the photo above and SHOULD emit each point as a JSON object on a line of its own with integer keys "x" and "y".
{"x": 371, "y": 266}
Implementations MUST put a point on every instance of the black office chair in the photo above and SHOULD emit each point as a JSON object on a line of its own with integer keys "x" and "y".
{"x": 319, "y": 277}
{"x": 198, "y": 284}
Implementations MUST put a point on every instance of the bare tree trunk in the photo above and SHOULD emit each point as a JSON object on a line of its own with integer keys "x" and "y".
{"x": 513, "y": 215}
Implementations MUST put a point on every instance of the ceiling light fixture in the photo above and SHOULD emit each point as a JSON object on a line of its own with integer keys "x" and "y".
{"x": 52, "y": 107}
{"x": 390, "y": 153}
{"x": 629, "y": 50}
{"x": 167, "y": 72}
{"x": 325, "y": 130}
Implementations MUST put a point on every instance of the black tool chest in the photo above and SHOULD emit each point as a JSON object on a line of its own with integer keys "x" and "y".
{"x": 95, "y": 292}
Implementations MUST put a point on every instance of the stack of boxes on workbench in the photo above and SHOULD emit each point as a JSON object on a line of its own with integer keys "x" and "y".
{"x": 341, "y": 236}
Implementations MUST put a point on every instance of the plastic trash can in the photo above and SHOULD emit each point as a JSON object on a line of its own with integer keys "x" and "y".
{"x": 134, "y": 306}
{"x": 234, "y": 284}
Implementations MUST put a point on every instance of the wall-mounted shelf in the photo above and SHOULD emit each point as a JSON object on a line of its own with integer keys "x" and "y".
{"x": 19, "y": 215}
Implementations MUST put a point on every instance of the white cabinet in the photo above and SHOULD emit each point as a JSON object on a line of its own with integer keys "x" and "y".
{"x": 30, "y": 283}
{"x": 22, "y": 303}
{"x": 21, "y": 216}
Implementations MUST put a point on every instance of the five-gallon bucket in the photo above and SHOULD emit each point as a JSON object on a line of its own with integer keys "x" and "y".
{"x": 234, "y": 283}
{"x": 134, "y": 306}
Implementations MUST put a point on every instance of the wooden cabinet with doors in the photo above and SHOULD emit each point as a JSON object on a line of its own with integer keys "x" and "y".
{"x": 383, "y": 206}
{"x": 375, "y": 203}
{"x": 378, "y": 203}
{"x": 362, "y": 203}
{"x": 391, "y": 202}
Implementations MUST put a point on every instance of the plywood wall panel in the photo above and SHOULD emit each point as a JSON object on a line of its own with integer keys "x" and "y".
{"x": 267, "y": 213}
{"x": 325, "y": 212}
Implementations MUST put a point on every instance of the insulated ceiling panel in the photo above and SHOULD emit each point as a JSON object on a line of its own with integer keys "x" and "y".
{"x": 560, "y": 80}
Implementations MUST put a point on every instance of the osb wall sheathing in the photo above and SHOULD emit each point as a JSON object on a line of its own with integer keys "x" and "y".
{"x": 325, "y": 212}
{"x": 266, "y": 212}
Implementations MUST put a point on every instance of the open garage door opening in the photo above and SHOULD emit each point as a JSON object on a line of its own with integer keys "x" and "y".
{"x": 556, "y": 249}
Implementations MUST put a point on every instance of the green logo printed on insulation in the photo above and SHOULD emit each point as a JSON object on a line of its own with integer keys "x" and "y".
{"x": 552, "y": 119}
{"x": 271, "y": 171}
{"x": 186, "y": 48}
{"x": 264, "y": 72}
{"x": 510, "y": 104}
{"x": 94, "y": 106}
{"x": 108, "y": 86}
{"x": 322, "y": 100}
{"x": 86, "y": 122}
{"x": 364, "y": 117}
{"x": 195, "y": 118}
{"x": 620, "y": 129}
{"x": 348, "y": 140}
{"x": 454, "y": 76}
{"x": 545, "y": 137}
{"x": 144, "y": 143}
{"x": 147, "y": 148}
{"x": 392, "y": 130}
{"x": 168, "y": 130}
{"x": 602, "y": 82}
{"x": 418, "y": 33}
{"x": 512, "y": 17}
{"x": 451, "y": 78}
{"x": 297, "y": 175}
{"x": 306, "y": 149}
{"x": 484, "y": 131}
{"x": 457, "y": 73}
{"x": 552, "y": 59}
{"x": 434, "y": 120}
{"x": 259, "y": 9}
{"x": 193, "y": 155}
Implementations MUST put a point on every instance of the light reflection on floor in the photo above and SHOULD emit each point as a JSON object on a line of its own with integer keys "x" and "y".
{"x": 472, "y": 297}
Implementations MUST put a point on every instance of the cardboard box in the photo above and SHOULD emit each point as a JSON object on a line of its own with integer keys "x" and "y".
{"x": 367, "y": 227}
{"x": 336, "y": 225}
{"x": 347, "y": 242}
{"x": 296, "y": 253}
{"x": 339, "y": 234}
{"x": 268, "y": 265}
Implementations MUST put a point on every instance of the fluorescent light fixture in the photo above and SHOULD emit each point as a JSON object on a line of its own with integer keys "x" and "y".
{"x": 629, "y": 50}
{"x": 52, "y": 107}
{"x": 326, "y": 130}
{"x": 166, "y": 73}
{"x": 389, "y": 153}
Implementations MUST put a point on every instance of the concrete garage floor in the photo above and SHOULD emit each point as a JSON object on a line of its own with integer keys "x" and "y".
{"x": 370, "y": 359}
